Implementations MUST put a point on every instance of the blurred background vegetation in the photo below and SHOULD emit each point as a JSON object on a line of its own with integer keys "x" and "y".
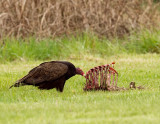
{"x": 51, "y": 29}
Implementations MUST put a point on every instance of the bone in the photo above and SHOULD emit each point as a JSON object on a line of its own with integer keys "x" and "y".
{"x": 109, "y": 79}
{"x": 101, "y": 77}
{"x": 91, "y": 78}
{"x": 116, "y": 80}
{"x": 96, "y": 77}
{"x": 87, "y": 78}
{"x": 113, "y": 79}
{"x": 106, "y": 75}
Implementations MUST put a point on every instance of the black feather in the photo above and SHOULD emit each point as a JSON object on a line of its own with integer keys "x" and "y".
{"x": 48, "y": 75}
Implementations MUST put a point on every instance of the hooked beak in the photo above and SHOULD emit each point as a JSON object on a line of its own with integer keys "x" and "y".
{"x": 83, "y": 74}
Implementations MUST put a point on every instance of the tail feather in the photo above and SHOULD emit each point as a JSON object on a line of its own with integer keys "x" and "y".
{"x": 17, "y": 84}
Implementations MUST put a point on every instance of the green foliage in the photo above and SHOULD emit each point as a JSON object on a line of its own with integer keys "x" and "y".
{"x": 75, "y": 46}
{"x": 156, "y": 1}
{"x": 28, "y": 105}
{"x": 144, "y": 42}
{"x": 30, "y": 49}
{"x": 78, "y": 46}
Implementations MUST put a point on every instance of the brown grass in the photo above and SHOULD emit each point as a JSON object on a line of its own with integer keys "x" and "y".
{"x": 50, "y": 18}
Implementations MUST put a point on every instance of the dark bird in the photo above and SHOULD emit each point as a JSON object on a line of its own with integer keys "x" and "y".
{"x": 49, "y": 75}
{"x": 132, "y": 85}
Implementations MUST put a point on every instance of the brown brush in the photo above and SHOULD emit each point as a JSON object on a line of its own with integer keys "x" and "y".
{"x": 50, "y": 18}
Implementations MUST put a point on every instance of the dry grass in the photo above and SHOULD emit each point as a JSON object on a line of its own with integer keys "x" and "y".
{"x": 50, "y": 18}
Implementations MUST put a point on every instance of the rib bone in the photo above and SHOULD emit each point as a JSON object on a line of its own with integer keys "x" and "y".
{"x": 101, "y": 77}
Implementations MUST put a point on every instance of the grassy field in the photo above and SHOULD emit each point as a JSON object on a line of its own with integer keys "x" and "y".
{"x": 78, "y": 46}
{"x": 29, "y": 105}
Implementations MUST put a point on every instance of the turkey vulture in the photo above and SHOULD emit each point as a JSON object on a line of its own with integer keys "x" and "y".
{"x": 49, "y": 75}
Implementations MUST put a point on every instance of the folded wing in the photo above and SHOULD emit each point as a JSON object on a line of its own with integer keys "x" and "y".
{"x": 45, "y": 72}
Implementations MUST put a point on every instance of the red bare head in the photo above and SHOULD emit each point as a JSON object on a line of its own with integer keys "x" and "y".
{"x": 79, "y": 71}
{"x": 113, "y": 62}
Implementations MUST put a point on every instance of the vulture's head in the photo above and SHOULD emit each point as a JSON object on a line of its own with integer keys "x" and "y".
{"x": 79, "y": 71}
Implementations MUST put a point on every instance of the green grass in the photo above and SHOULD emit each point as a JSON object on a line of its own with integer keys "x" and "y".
{"x": 136, "y": 58}
{"x": 27, "y": 104}
{"x": 32, "y": 49}
{"x": 78, "y": 46}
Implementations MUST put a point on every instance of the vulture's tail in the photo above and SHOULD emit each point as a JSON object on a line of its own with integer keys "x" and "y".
{"x": 19, "y": 83}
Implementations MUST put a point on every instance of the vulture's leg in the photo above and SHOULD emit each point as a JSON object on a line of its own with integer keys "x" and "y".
{"x": 60, "y": 87}
{"x": 60, "y": 84}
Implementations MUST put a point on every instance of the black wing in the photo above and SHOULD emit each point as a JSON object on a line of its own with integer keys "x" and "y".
{"x": 45, "y": 72}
